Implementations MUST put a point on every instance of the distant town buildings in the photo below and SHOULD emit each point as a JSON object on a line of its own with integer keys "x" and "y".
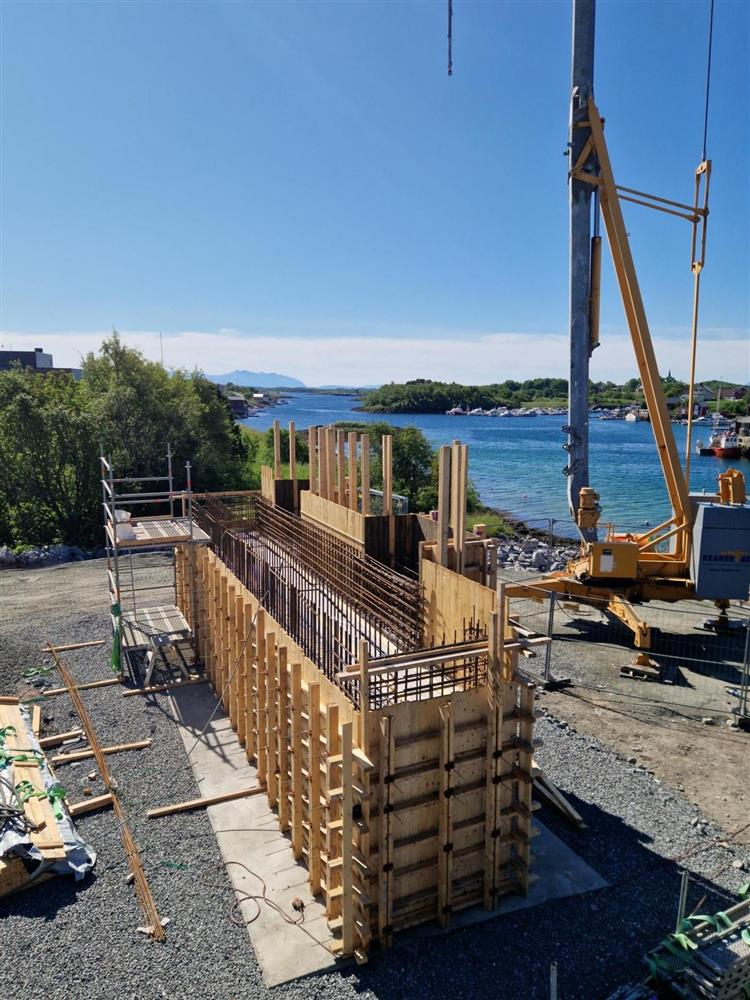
{"x": 37, "y": 360}
{"x": 237, "y": 403}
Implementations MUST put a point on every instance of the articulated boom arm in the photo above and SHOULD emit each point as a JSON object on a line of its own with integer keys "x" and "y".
{"x": 596, "y": 150}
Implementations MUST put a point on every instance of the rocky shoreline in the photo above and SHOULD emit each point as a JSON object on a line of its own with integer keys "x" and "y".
{"x": 534, "y": 554}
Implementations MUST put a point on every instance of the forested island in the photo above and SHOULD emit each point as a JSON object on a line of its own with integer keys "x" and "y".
{"x": 426, "y": 396}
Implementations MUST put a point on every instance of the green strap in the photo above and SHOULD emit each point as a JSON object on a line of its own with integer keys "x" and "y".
{"x": 6, "y": 757}
{"x": 55, "y": 795}
{"x": 10, "y": 730}
{"x": 721, "y": 916}
{"x": 116, "y": 660}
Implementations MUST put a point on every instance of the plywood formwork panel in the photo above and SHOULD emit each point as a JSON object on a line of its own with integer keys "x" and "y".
{"x": 455, "y": 608}
{"x": 341, "y": 521}
{"x": 403, "y": 813}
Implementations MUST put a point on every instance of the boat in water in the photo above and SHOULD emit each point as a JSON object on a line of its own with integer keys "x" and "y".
{"x": 723, "y": 442}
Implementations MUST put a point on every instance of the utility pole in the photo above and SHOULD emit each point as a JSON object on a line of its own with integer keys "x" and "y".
{"x": 577, "y": 428}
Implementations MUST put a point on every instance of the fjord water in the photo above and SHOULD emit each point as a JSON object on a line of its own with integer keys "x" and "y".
{"x": 516, "y": 463}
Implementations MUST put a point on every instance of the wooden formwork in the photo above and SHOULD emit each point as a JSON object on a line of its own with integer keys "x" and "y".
{"x": 405, "y": 787}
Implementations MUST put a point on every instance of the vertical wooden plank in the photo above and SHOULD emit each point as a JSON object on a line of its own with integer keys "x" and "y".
{"x": 240, "y": 669}
{"x": 445, "y": 816}
{"x": 461, "y": 516}
{"x": 297, "y": 790}
{"x": 272, "y": 694}
{"x": 340, "y": 468}
{"x": 312, "y": 450}
{"x": 282, "y": 733}
{"x": 331, "y": 432}
{"x": 261, "y": 669}
{"x": 365, "y": 464}
{"x": 224, "y": 690}
{"x": 444, "y": 503}
{"x": 276, "y": 450}
{"x": 353, "y": 505}
{"x": 333, "y": 806}
{"x": 314, "y": 766}
{"x": 347, "y": 805}
{"x": 364, "y": 696}
{"x": 293, "y": 465}
{"x": 387, "y": 462}
{"x": 385, "y": 882}
{"x": 493, "y": 763}
{"x": 234, "y": 648}
{"x": 523, "y": 820}
{"x": 218, "y": 629}
{"x": 250, "y": 680}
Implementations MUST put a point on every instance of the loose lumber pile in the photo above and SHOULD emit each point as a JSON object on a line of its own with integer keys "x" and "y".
{"x": 22, "y": 767}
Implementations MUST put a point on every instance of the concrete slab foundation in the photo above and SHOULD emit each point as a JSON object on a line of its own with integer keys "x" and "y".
{"x": 266, "y": 878}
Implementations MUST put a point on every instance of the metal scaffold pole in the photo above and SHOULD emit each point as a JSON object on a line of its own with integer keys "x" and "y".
{"x": 582, "y": 84}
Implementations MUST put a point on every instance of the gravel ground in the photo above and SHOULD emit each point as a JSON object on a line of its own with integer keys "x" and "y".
{"x": 69, "y": 941}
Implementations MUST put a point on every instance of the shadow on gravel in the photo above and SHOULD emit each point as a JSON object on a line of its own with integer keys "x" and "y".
{"x": 47, "y": 900}
{"x": 711, "y": 654}
{"x": 597, "y": 939}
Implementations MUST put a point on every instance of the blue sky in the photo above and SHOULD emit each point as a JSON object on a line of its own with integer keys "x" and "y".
{"x": 300, "y": 186}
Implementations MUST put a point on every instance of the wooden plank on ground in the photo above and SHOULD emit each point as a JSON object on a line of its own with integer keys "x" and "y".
{"x": 69, "y": 758}
{"x": 90, "y": 805}
{"x": 211, "y": 800}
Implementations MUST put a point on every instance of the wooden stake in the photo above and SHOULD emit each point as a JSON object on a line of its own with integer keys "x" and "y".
{"x": 156, "y": 688}
{"x": 53, "y": 692}
{"x": 69, "y": 758}
{"x": 48, "y": 742}
{"x": 212, "y": 800}
{"x": 250, "y": 680}
{"x": 90, "y": 805}
{"x": 73, "y": 645}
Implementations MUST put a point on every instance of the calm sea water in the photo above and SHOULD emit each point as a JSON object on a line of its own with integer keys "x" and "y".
{"x": 516, "y": 463}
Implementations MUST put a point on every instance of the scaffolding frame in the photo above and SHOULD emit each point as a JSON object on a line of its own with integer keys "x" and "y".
{"x": 149, "y": 629}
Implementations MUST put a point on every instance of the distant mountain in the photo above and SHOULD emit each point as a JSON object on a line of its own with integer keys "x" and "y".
{"x": 362, "y": 387}
{"x": 259, "y": 380}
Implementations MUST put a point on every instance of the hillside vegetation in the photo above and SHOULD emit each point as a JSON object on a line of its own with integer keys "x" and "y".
{"x": 54, "y": 427}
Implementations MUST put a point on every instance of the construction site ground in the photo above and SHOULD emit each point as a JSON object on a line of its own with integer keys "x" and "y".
{"x": 683, "y": 731}
{"x": 621, "y": 761}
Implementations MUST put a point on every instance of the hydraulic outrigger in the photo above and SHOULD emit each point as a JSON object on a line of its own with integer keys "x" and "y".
{"x": 633, "y": 567}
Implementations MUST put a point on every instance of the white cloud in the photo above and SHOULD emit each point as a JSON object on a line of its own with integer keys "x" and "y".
{"x": 466, "y": 356}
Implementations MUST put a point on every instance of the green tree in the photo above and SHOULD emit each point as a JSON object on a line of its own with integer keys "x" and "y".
{"x": 53, "y": 428}
{"x": 49, "y": 490}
